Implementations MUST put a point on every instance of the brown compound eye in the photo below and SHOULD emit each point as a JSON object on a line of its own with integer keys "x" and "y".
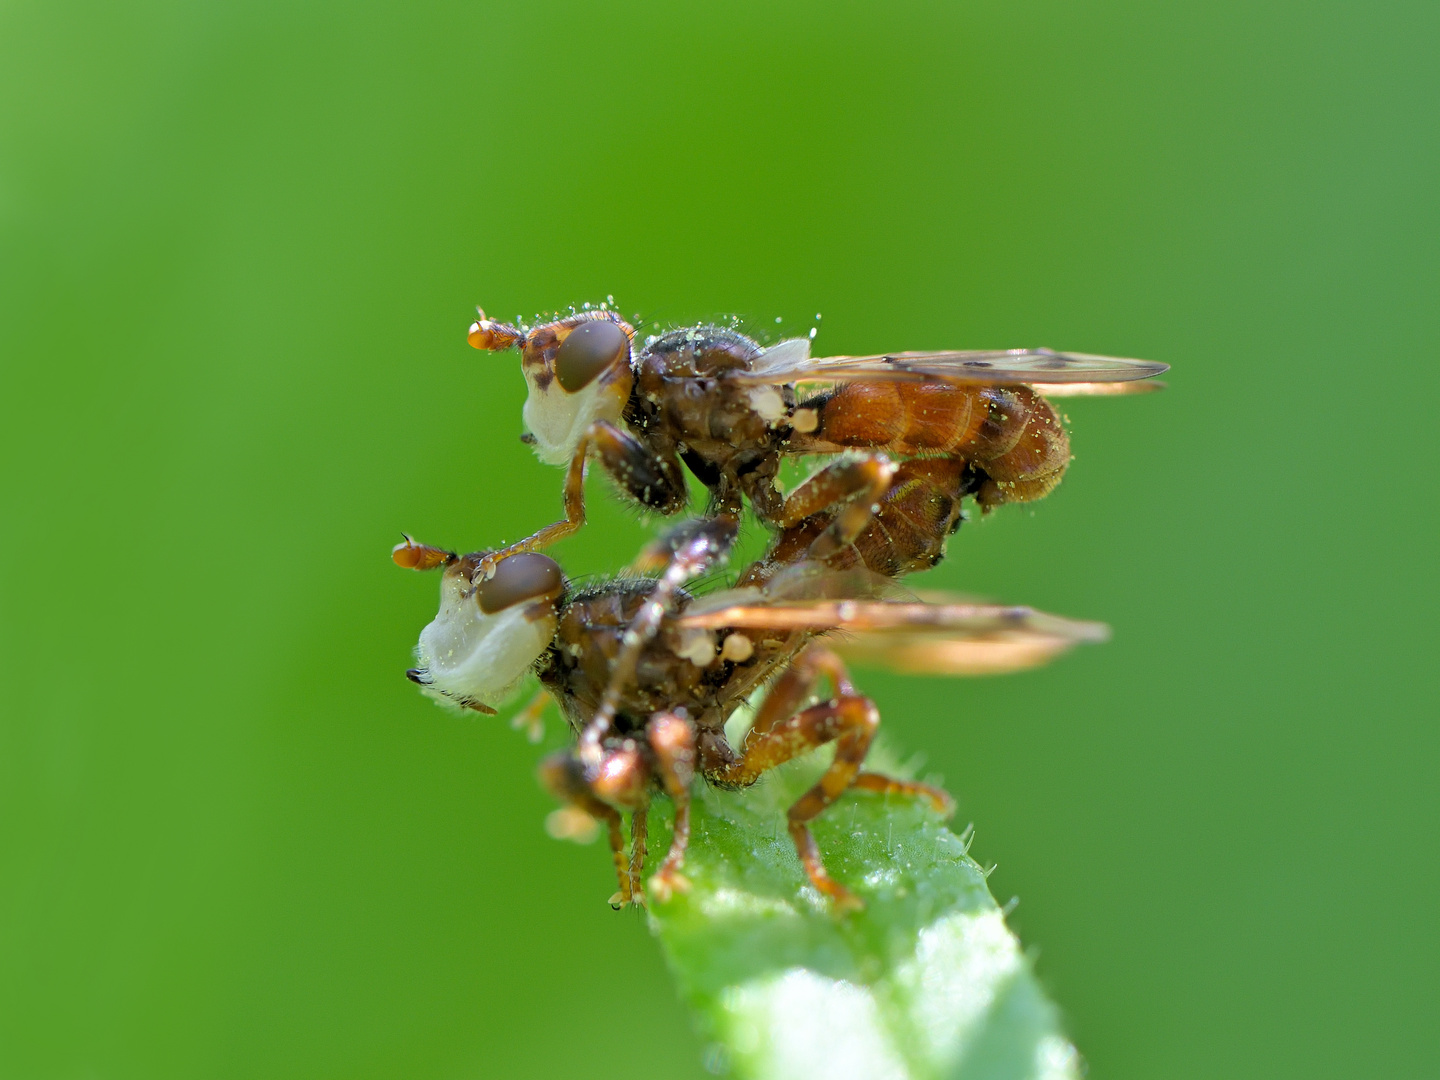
{"x": 589, "y": 349}
{"x": 526, "y": 576}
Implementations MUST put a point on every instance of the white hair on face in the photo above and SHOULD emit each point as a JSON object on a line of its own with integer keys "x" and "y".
{"x": 558, "y": 419}
{"x": 470, "y": 656}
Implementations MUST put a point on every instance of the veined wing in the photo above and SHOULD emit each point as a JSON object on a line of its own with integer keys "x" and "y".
{"x": 946, "y": 638}
{"x": 1076, "y": 373}
{"x": 796, "y": 585}
{"x": 998, "y": 653}
{"x": 886, "y": 615}
{"x": 1099, "y": 389}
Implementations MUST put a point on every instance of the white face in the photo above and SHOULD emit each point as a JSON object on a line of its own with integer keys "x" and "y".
{"x": 470, "y": 657}
{"x": 558, "y": 419}
{"x": 573, "y": 385}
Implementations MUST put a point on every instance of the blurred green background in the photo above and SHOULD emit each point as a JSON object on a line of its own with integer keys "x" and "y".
{"x": 239, "y": 247}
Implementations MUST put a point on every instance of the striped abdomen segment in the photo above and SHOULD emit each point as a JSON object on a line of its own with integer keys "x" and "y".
{"x": 1011, "y": 434}
{"x": 912, "y": 521}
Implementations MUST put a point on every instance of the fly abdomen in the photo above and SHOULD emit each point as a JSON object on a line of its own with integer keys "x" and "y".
{"x": 911, "y": 523}
{"x": 902, "y": 418}
{"x": 916, "y": 516}
{"x": 1029, "y": 452}
{"x": 1011, "y": 434}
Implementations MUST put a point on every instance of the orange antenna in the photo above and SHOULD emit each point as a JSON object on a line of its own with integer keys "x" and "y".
{"x": 493, "y": 336}
{"x": 413, "y": 556}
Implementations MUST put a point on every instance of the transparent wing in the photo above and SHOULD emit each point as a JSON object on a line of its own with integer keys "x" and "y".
{"x": 798, "y": 584}
{"x": 782, "y": 356}
{"x": 985, "y": 367}
{"x": 940, "y": 638}
{"x": 1099, "y": 389}
{"x": 993, "y": 654}
{"x": 885, "y": 616}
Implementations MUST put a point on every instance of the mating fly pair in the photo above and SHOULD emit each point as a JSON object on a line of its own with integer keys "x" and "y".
{"x": 648, "y": 674}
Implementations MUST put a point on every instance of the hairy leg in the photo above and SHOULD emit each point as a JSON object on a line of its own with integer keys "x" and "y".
{"x": 573, "y": 499}
{"x": 939, "y": 798}
{"x": 791, "y": 690}
{"x": 856, "y": 482}
{"x": 700, "y": 546}
{"x": 849, "y": 720}
{"x": 673, "y": 741}
{"x": 655, "y": 481}
{"x": 563, "y": 776}
{"x": 639, "y": 833}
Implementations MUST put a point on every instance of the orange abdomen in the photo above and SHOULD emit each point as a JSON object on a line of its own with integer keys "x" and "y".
{"x": 1011, "y": 434}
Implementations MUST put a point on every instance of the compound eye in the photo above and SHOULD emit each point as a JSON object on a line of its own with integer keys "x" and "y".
{"x": 526, "y": 576}
{"x": 589, "y": 349}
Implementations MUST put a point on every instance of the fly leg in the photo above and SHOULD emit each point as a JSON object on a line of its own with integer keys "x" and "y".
{"x": 658, "y": 554}
{"x": 789, "y": 693}
{"x": 673, "y": 740}
{"x": 562, "y": 775}
{"x": 573, "y": 498}
{"x": 849, "y": 720}
{"x": 621, "y": 781}
{"x": 857, "y": 482}
{"x": 654, "y": 480}
{"x": 639, "y": 833}
{"x": 695, "y": 547}
{"x": 939, "y": 799}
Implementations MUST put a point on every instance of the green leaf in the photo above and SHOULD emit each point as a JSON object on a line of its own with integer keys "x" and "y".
{"x": 926, "y": 981}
